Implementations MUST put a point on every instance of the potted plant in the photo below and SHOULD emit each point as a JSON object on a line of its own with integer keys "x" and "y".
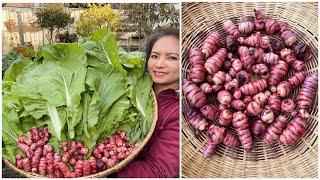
{"x": 35, "y": 26}
{"x": 10, "y": 25}
{"x": 26, "y": 50}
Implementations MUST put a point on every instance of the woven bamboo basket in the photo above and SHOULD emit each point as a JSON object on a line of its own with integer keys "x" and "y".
{"x": 113, "y": 169}
{"x": 299, "y": 160}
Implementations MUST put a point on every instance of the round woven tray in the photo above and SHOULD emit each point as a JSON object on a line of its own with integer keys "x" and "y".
{"x": 299, "y": 160}
{"x": 115, "y": 168}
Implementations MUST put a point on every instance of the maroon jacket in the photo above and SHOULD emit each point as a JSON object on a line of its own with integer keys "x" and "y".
{"x": 160, "y": 156}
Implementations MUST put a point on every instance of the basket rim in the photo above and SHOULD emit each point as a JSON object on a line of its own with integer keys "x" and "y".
{"x": 113, "y": 169}
{"x": 192, "y": 161}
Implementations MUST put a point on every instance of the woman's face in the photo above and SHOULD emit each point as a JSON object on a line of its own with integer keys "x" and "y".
{"x": 163, "y": 63}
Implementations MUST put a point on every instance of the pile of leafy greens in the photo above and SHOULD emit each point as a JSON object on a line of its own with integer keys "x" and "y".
{"x": 84, "y": 91}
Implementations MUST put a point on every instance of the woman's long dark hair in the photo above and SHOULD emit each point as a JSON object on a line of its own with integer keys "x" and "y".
{"x": 154, "y": 38}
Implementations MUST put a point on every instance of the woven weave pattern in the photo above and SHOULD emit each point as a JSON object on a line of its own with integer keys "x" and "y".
{"x": 298, "y": 160}
{"x": 117, "y": 167}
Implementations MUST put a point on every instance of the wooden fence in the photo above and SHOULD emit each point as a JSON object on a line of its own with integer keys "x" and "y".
{"x": 37, "y": 36}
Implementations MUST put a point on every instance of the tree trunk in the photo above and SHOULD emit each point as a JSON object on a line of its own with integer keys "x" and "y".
{"x": 140, "y": 28}
{"x": 51, "y": 34}
{"x": 20, "y": 28}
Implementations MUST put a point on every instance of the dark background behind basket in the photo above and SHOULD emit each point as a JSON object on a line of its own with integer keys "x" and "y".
{"x": 299, "y": 160}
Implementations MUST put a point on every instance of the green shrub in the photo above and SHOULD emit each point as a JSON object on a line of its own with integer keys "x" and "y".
{"x": 67, "y": 37}
{"x": 53, "y": 17}
{"x": 7, "y": 59}
{"x": 97, "y": 17}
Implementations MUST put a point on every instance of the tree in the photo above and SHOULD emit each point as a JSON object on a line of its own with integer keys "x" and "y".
{"x": 84, "y": 5}
{"x": 53, "y": 16}
{"x": 97, "y": 17}
{"x": 146, "y": 17}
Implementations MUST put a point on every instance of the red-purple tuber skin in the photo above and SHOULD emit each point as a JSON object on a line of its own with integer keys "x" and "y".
{"x": 284, "y": 88}
{"x": 241, "y": 124}
{"x": 232, "y": 72}
{"x": 259, "y": 24}
{"x": 237, "y": 94}
{"x": 257, "y": 54}
{"x": 306, "y": 94}
{"x": 224, "y": 97}
{"x": 232, "y": 44}
{"x": 270, "y": 58}
{"x": 237, "y": 65}
{"x": 43, "y": 166}
{"x": 246, "y": 27}
{"x": 299, "y": 65}
{"x": 253, "y": 40}
{"x": 222, "y": 107}
{"x": 258, "y": 128}
{"x": 259, "y": 14}
{"x": 271, "y": 26}
{"x": 209, "y": 149}
{"x": 231, "y": 28}
{"x": 35, "y": 160}
{"x": 275, "y": 129}
{"x": 231, "y": 140}
{"x": 289, "y": 58}
{"x": 78, "y": 168}
{"x": 267, "y": 116}
{"x": 238, "y": 105}
{"x": 277, "y": 46}
{"x": 243, "y": 77}
{"x": 228, "y": 78}
{"x": 206, "y": 88}
{"x": 217, "y": 88}
{"x": 302, "y": 51}
{"x": 19, "y": 161}
{"x": 261, "y": 97}
{"x": 288, "y": 106}
{"x": 194, "y": 94}
{"x": 265, "y": 42}
{"x": 209, "y": 78}
{"x": 259, "y": 20}
{"x": 225, "y": 117}
{"x": 211, "y": 44}
{"x": 294, "y": 131}
{"x": 26, "y": 165}
{"x": 297, "y": 78}
{"x": 288, "y": 38}
{"x": 247, "y": 61}
{"x": 197, "y": 60}
{"x": 65, "y": 170}
{"x": 277, "y": 73}
{"x": 196, "y": 119}
{"x": 274, "y": 102}
{"x": 209, "y": 111}
{"x": 216, "y": 134}
{"x": 232, "y": 85}
{"x": 283, "y": 26}
{"x": 219, "y": 78}
{"x": 215, "y": 62}
{"x": 260, "y": 70}
{"x": 196, "y": 56}
{"x": 254, "y": 87}
{"x": 247, "y": 100}
{"x": 243, "y": 51}
{"x": 285, "y": 52}
{"x": 254, "y": 108}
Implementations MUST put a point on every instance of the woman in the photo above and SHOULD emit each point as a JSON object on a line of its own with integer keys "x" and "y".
{"x": 160, "y": 156}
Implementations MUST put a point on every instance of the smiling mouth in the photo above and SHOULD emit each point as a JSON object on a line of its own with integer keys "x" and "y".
{"x": 159, "y": 74}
